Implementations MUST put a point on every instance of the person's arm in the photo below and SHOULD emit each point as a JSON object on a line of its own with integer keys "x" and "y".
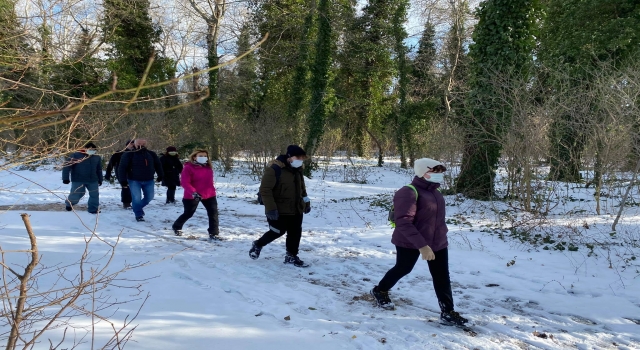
{"x": 110, "y": 166}
{"x": 178, "y": 165}
{"x": 158, "y": 166}
{"x": 267, "y": 184}
{"x": 123, "y": 168}
{"x": 404, "y": 208}
{"x": 66, "y": 169}
{"x": 185, "y": 181}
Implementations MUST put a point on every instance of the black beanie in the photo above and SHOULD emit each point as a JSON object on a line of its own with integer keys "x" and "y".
{"x": 295, "y": 151}
{"x": 128, "y": 142}
{"x": 172, "y": 149}
{"x": 90, "y": 145}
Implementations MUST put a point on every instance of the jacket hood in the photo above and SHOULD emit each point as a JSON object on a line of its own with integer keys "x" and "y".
{"x": 280, "y": 161}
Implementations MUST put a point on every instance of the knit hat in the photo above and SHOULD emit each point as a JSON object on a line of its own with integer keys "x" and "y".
{"x": 422, "y": 165}
{"x": 295, "y": 151}
{"x": 171, "y": 149}
{"x": 90, "y": 145}
{"x": 128, "y": 142}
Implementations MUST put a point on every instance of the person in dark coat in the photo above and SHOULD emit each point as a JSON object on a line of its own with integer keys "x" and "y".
{"x": 421, "y": 230}
{"x": 83, "y": 169}
{"x": 136, "y": 171}
{"x": 114, "y": 161}
{"x": 172, "y": 167}
{"x": 285, "y": 200}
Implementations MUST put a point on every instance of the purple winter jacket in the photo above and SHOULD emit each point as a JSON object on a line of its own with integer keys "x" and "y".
{"x": 420, "y": 223}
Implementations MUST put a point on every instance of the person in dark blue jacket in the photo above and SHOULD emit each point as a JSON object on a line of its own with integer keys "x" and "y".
{"x": 136, "y": 170}
{"x": 84, "y": 169}
{"x": 114, "y": 161}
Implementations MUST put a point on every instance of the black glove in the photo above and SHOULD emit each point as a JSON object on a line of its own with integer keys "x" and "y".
{"x": 99, "y": 183}
{"x": 272, "y": 214}
{"x": 307, "y": 207}
{"x": 66, "y": 182}
{"x": 196, "y": 196}
{"x": 159, "y": 179}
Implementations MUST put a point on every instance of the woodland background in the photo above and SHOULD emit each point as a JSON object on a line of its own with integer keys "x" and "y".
{"x": 514, "y": 84}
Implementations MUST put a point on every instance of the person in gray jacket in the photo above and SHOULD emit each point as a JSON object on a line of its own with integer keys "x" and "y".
{"x": 84, "y": 169}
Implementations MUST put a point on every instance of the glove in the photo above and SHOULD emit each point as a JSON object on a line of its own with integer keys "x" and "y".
{"x": 307, "y": 207}
{"x": 272, "y": 215}
{"x": 159, "y": 179}
{"x": 99, "y": 183}
{"x": 427, "y": 253}
{"x": 66, "y": 182}
{"x": 196, "y": 196}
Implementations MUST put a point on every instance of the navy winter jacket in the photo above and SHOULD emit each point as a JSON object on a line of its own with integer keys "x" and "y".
{"x": 83, "y": 168}
{"x": 139, "y": 165}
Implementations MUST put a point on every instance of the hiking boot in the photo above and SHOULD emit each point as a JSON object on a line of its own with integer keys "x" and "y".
{"x": 215, "y": 238}
{"x": 126, "y": 205}
{"x": 139, "y": 218}
{"x": 452, "y": 318}
{"x": 170, "y": 202}
{"x": 68, "y": 208}
{"x": 382, "y": 298}
{"x": 177, "y": 232}
{"x": 94, "y": 212}
{"x": 254, "y": 253}
{"x": 293, "y": 259}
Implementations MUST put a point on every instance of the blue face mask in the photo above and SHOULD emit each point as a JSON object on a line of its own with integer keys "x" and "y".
{"x": 437, "y": 178}
{"x": 296, "y": 163}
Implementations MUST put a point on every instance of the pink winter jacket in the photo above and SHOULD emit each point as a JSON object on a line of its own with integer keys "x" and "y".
{"x": 197, "y": 178}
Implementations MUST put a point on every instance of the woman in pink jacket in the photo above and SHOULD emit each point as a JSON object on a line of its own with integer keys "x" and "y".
{"x": 197, "y": 181}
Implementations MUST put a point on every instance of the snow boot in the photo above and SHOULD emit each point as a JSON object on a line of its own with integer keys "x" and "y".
{"x": 254, "y": 253}
{"x": 452, "y": 318}
{"x": 139, "y": 218}
{"x": 293, "y": 259}
{"x": 215, "y": 238}
{"x": 126, "y": 205}
{"x": 382, "y": 298}
{"x": 177, "y": 232}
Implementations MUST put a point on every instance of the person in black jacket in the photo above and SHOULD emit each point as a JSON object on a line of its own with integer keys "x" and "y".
{"x": 114, "y": 161}
{"x": 85, "y": 169}
{"x": 136, "y": 170}
{"x": 172, "y": 167}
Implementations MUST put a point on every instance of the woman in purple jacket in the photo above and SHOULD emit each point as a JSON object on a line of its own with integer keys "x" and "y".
{"x": 421, "y": 230}
{"x": 197, "y": 181}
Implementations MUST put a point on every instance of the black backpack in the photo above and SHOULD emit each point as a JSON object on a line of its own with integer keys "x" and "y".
{"x": 391, "y": 217}
{"x": 278, "y": 172}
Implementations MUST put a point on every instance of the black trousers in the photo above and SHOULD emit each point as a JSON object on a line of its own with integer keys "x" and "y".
{"x": 171, "y": 193}
{"x": 289, "y": 224}
{"x": 405, "y": 261}
{"x": 190, "y": 206}
{"x": 125, "y": 195}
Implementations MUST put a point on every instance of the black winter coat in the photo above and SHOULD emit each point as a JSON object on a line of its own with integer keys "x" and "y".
{"x": 139, "y": 165}
{"x": 114, "y": 161}
{"x": 172, "y": 167}
{"x": 83, "y": 168}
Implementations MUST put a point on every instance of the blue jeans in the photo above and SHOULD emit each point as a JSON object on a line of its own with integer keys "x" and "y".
{"x": 139, "y": 201}
{"x": 78, "y": 189}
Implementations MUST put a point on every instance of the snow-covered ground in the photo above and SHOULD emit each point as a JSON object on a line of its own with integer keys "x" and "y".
{"x": 213, "y": 296}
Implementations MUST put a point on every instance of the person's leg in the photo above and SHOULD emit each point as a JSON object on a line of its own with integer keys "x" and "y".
{"x": 76, "y": 193}
{"x": 125, "y": 196}
{"x": 94, "y": 196}
{"x": 190, "y": 206}
{"x": 277, "y": 228}
{"x": 136, "y": 197}
{"x": 147, "y": 192}
{"x": 439, "y": 269}
{"x": 294, "y": 233}
{"x": 171, "y": 194}
{"x": 406, "y": 259}
{"x": 211, "y": 205}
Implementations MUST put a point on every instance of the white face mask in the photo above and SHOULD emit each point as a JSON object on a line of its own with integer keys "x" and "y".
{"x": 296, "y": 163}
{"x": 91, "y": 151}
{"x": 201, "y": 160}
{"x": 437, "y": 178}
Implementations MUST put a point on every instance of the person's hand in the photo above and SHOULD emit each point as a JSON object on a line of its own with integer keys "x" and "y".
{"x": 427, "y": 253}
{"x": 196, "y": 196}
{"x": 124, "y": 184}
{"x": 307, "y": 207}
{"x": 66, "y": 182}
{"x": 159, "y": 179}
{"x": 99, "y": 183}
{"x": 272, "y": 214}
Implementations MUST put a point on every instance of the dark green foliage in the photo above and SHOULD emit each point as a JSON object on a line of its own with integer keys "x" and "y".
{"x": 503, "y": 48}
{"x": 401, "y": 110}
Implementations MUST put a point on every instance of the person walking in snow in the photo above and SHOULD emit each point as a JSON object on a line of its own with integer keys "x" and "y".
{"x": 84, "y": 169}
{"x": 136, "y": 170}
{"x": 114, "y": 161}
{"x": 285, "y": 199}
{"x": 197, "y": 181}
{"x": 419, "y": 214}
{"x": 172, "y": 167}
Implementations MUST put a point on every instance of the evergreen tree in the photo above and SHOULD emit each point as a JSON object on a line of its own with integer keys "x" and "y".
{"x": 503, "y": 47}
{"x": 400, "y": 111}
